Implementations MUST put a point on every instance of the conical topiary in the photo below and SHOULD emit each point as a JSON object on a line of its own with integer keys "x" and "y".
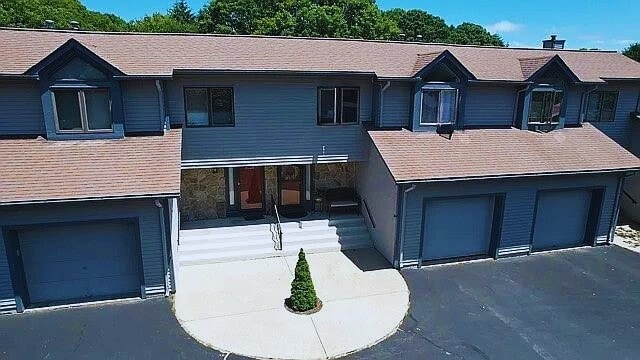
{"x": 303, "y": 294}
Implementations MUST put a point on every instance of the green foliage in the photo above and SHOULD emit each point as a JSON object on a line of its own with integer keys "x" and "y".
{"x": 633, "y": 51}
{"x": 159, "y": 23}
{"x": 303, "y": 294}
{"x": 316, "y": 18}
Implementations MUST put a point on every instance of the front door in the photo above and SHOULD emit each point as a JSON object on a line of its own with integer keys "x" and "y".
{"x": 291, "y": 188}
{"x": 251, "y": 188}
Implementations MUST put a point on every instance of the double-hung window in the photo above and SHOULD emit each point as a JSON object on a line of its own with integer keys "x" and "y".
{"x": 340, "y": 105}
{"x": 209, "y": 106}
{"x": 438, "y": 106}
{"x": 546, "y": 106}
{"x": 601, "y": 106}
{"x": 82, "y": 110}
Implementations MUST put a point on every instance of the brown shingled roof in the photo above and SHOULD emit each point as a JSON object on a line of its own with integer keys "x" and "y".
{"x": 161, "y": 54}
{"x": 35, "y": 170}
{"x": 482, "y": 153}
{"x": 530, "y": 65}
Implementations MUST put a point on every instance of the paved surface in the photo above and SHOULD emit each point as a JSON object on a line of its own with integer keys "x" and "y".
{"x": 239, "y": 306}
{"x": 143, "y": 329}
{"x": 573, "y": 304}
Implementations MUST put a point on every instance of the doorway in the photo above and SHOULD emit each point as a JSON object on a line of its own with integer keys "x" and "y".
{"x": 251, "y": 189}
{"x": 291, "y": 188}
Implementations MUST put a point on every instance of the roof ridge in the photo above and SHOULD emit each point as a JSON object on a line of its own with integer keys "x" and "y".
{"x": 401, "y": 42}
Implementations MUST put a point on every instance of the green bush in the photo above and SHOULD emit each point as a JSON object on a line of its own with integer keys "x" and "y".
{"x": 303, "y": 294}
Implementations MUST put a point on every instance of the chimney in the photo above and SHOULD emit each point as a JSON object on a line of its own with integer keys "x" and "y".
{"x": 74, "y": 25}
{"x": 48, "y": 24}
{"x": 553, "y": 43}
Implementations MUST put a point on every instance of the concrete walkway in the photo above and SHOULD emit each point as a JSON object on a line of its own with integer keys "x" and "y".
{"x": 238, "y": 307}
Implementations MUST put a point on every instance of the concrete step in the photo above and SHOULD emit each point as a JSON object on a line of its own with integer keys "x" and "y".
{"x": 224, "y": 245}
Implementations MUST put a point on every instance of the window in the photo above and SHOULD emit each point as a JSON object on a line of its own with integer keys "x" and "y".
{"x": 85, "y": 110}
{"x": 439, "y": 106}
{"x": 601, "y": 106}
{"x": 338, "y": 106}
{"x": 209, "y": 106}
{"x": 546, "y": 106}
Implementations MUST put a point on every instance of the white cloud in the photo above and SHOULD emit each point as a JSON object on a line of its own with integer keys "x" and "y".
{"x": 504, "y": 26}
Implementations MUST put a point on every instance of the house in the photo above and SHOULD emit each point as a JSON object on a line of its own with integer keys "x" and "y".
{"x": 112, "y": 142}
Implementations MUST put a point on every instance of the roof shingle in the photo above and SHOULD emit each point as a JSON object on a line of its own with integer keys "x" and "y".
{"x": 489, "y": 153}
{"x": 36, "y": 170}
{"x": 161, "y": 54}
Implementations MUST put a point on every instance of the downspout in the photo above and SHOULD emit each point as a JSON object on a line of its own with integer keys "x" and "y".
{"x": 402, "y": 228}
{"x": 515, "y": 107}
{"x": 164, "y": 246}
{"x": 163, "y": 124}
{"x": 583, "y": 102}
{"x": 382, "y": 90}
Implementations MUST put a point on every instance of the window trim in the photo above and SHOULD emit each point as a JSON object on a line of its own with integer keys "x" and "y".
{"x": 562, "y": 105}
{"x": 599, "y": 119}
{"x": 209, "y": 106}
{"x": 82, "y": 103}
{"x": 337, "y": 107}
{"x": 455, "y": 112}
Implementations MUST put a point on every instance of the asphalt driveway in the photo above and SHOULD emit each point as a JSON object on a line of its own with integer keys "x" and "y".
{"x": 572, "y": 304}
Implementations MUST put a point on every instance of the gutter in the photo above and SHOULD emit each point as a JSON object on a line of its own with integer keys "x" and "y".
{"x": 268, "y": 72}
{"x": 401, "y": 220}
{"x": 163, "y": 230}
{"x": 163, "y": 124}
{"x": 510, "y": 176}
{"x": 29, "y": 202}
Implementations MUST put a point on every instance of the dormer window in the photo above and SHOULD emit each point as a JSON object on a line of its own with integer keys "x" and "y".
{"x": 546, "y": 106}
{"x": 439, "y": 106}
{"x": 82, "y": 110}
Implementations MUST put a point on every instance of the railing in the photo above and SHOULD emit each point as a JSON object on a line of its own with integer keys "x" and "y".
{"x": 366, "y": 208}
{"x": 633, "y": 201}
{"x": 277, "y": 231}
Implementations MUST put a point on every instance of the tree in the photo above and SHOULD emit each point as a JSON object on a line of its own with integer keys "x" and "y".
{"x": 473, "y": 34}
{"x": 160, "y": 23}
{"x": 418, "y": 22}
{"x": 303, "y": 294}
{"x": 181, "y": 12}
{"x": 633, "y": 51}
{"x": 230, "y": 17}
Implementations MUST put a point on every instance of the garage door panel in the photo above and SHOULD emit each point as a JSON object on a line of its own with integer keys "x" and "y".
{"x": 561, "y": 219}
{"x": 80, "y": 261}
{"x": 457, "y": 227}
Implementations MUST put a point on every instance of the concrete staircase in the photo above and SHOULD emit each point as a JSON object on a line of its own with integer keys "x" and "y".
{"x": 242, "y": 242}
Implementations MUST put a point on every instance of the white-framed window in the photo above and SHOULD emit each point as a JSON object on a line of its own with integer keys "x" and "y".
{"x": 545, "y": 106}
{"x": 82, "y": 110}
{"x": 339, "y": 105}
{"x": 601, "y": 106}
{"x": 438, "y": 106}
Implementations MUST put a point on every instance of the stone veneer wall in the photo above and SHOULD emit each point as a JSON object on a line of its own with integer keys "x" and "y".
{"x": 271, "y": 187}
{"x": 203, "y": 194}
{"x": 335, "y": 175}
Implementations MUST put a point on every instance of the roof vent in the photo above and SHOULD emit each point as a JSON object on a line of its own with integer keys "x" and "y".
{"x": 553, "y": 43}
{"x": 419, "y": 37}
{"x": 402, "y": 36}
{"x": 74, "y": 25}
{"x": 48, "y": 24}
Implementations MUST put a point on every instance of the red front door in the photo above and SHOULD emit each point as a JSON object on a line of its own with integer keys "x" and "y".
{"x": 251, "y": 188}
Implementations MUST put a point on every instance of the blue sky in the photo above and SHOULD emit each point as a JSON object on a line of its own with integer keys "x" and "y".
{"x": 603, "y": 24}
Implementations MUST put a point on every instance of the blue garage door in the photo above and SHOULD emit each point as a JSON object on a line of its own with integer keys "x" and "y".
{"x": 457, "y": 227}
{"x": 71, "y": 263}
{"x": 561, "y": 219}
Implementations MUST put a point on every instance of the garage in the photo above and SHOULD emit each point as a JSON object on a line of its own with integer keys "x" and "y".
{"x": 565, "y": 218}
{"x": 458, "y": 227}
{"x": 80, "y": 262}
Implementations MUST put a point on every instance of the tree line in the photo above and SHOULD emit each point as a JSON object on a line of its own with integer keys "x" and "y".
{"x": 316, "y": 18}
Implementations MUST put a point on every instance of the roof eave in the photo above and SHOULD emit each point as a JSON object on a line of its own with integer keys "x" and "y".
{"x": 90, "y": 198}
{"x": 270, "y": 72}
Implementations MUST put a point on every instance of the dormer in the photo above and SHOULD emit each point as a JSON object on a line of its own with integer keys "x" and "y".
{"x": 80, "y": 96}
{"x": 439, "y": 92}
{"x": 542, "y": 103}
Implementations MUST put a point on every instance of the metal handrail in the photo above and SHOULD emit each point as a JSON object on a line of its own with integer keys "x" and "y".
{"x": 277, "y": 236}
{"x": 366, "y": 208}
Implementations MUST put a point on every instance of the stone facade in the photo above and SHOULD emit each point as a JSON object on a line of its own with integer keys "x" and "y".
{"x": 203, "y": 194}
{"x": 271, "y": 187}
{"x": 335, "y": 175}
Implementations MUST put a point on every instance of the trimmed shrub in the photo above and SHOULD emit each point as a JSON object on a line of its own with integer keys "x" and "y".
{"x": 303, "y": 294}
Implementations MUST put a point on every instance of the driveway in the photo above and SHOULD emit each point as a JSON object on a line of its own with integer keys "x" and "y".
{"x": 571, "y": 304}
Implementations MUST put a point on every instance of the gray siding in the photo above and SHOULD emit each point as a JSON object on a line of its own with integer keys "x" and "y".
{"x": 396, "y": 105}
{"x": 574, "y": 105}
{"x": 376, "y": 186}
{"x": 519, "y": 205}
{"x": 144, "y": 211}
{"x": 620, "y": 129}
{"x": 141, "y": 106}
{"x": 490, "y": 105}
{"x": 274, "y": 117}
{"x": 21, "y": 106}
